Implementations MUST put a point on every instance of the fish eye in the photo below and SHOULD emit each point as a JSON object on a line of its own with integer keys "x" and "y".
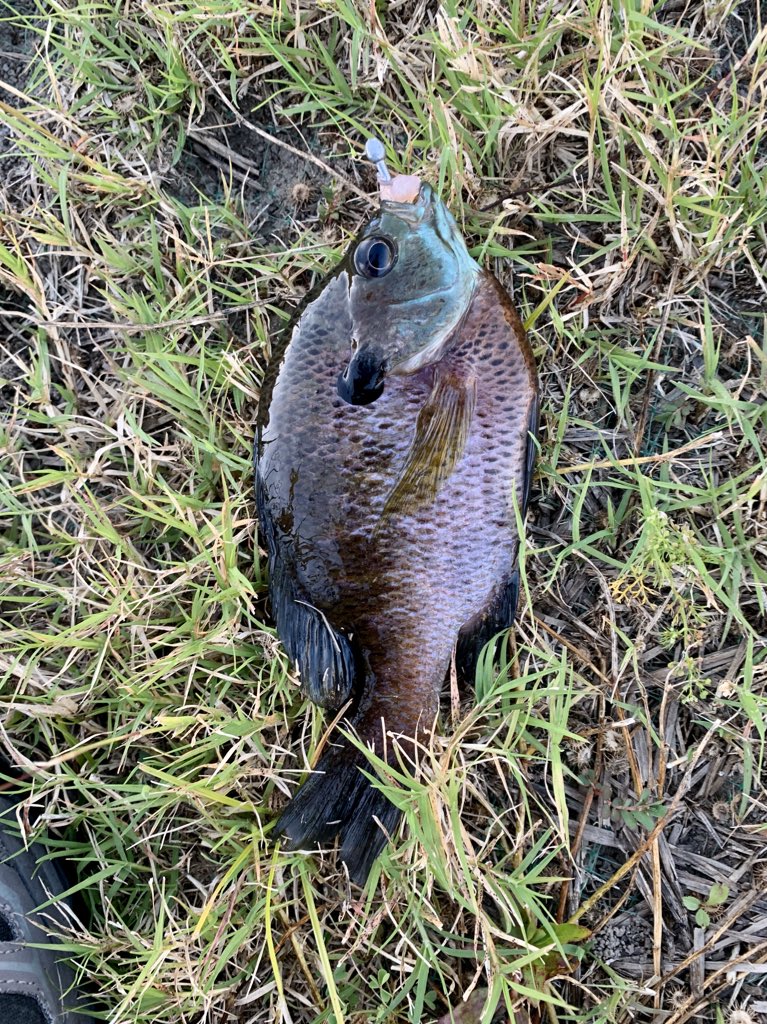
{"x": 375, "y": 256}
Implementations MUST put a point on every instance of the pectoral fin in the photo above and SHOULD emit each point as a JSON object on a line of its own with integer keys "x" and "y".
{"x": 441, "y": 433}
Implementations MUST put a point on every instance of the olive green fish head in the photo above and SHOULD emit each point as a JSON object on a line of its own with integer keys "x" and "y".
{"x": 411, "y": 281}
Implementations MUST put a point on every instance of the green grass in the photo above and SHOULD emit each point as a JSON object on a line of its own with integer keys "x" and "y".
{"x": 607, "y": 161}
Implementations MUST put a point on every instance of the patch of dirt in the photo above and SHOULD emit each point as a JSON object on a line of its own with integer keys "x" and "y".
{"x": 739, "y": 30}
{"x": 626, "y": 938}
{"x": 15, "y": 346}
{"x": 280, "y": 189}
{"x": 17, "y": 43}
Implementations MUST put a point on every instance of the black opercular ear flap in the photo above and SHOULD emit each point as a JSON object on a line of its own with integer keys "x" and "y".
{"x": 362, "y": 382}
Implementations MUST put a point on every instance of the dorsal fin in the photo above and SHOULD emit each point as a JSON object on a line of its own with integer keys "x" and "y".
{"x": 441, "y": 433}
{"x": 532, "y": 450}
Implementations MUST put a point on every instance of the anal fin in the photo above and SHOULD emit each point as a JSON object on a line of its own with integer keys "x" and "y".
{"x": 532, "y": 450}
{"x": 323, "y": 656}
{"x": 497, "y": 615}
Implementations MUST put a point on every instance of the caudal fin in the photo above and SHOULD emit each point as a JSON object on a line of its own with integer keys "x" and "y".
{"x": 337, "y": 800}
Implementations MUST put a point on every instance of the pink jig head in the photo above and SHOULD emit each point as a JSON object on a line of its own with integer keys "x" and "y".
{"x": 402, "y": 188}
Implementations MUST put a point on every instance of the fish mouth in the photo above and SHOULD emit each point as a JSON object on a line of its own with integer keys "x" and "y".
{"x": 362, "y": 382}
{"x": 413, "y": 210}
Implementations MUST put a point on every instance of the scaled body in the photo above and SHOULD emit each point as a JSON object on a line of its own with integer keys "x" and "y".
{"x": 391, "y": 525}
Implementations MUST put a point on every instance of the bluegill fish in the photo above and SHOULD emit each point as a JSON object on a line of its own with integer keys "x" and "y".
{"x": 395, "y": 442}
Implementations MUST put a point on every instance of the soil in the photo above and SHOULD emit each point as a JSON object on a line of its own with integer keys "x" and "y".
{"x": 628, "y": 937}
{"x": 279, "y": 189}
{"x": 17, "y": 43}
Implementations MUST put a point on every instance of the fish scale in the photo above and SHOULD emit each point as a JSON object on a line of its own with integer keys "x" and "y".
{"x": 390, "y": 525}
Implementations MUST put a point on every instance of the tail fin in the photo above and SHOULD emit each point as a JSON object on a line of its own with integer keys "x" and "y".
{"x": 337, "y": 800}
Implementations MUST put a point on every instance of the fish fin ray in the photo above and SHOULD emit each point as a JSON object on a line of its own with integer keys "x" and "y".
{"x": 325, "y": 659}
{"x": 497, "y": 615}
{"x": 532, "y": 451}
{"x": 441, "y": 434}
{"x": 338, "y": 800}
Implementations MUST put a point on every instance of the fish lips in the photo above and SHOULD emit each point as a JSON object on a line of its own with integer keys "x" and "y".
{"x": 362, "y": 382}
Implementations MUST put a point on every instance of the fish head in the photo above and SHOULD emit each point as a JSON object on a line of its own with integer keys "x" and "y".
{"x": 411, "y": 282}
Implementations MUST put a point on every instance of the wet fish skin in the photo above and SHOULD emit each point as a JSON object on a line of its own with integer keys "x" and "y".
{"x": 399, "y": 321}
{"x": 390, "y": 526}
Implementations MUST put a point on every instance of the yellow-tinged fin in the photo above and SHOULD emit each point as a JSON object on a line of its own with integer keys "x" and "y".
{"x": 441, "y": 433}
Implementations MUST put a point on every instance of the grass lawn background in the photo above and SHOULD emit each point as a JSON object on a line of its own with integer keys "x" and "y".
{"x": 587, "y": 840}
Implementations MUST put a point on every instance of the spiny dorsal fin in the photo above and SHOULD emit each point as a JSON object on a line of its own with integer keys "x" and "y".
{"x": 441, "y": 433}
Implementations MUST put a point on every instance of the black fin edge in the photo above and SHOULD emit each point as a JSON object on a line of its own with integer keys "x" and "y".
{"x": 498, "y": 614}
{"x": 338, "y": 800}
{"x": 533, "y": 425}
{"x": 325, "y": 658}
